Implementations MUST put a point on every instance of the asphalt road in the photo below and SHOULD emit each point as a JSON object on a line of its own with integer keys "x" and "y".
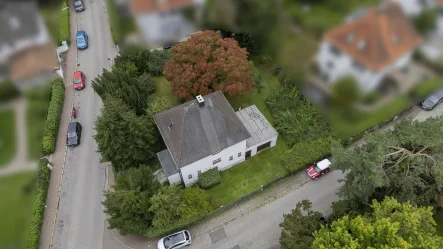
{"x": 260, "y": 229}
{"x": 80, "y": 219}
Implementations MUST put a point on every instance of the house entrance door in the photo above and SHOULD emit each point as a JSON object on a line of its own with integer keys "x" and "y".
{"x": 248, "y": 154}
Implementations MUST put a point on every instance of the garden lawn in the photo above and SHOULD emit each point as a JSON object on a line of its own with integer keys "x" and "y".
{"x": 249, "y": 175}
{"x": 164, "y": 90}
{"x": 346, "y": 128}
{"x": 57, "y": 20}
{"x": 15, "y": 207}
{"x": 7, "y": 136}
{"x": 120, "y": 26}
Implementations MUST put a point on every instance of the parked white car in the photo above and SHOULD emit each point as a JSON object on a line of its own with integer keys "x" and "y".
{"x": 175, "y": 241}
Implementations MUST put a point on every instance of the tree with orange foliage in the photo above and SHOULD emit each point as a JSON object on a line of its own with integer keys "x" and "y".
{"x": 207, "y": 63}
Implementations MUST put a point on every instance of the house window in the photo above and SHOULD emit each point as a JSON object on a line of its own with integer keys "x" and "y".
{"x": 239, "y": 154}
{"x": 334, "y": 50}
{"x": 230, "y": 158}
{"x": 357, "y": 66}
{"x": 189, "y": 176}
{"x": 216, "y": 161}
{"x": 199, "y": 172}
{"x": 330, "y": 65}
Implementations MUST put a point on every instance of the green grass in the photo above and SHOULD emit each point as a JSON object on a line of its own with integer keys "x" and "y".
{"x": 360, "y": 122}
{"x": 64, "y": 24}
{"x": 249, "y": 175}
{"x": 428, "y": 87}
{"x": 52, "y": 20}
{"x": 120, "y": 26}
{"x": 57, "y": 20}
{"x": 15, "y": 208}
{"x": 7, "y": 136}
{"x": 164, "y": 90}
{"x": 38, "y": 103}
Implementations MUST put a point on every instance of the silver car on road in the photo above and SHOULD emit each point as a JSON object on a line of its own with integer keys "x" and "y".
{"x": 175, "y": 241}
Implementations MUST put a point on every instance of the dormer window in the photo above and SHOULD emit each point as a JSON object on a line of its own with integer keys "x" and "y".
{"x": 361, "y": 45}
{"x": 170, "y": 126}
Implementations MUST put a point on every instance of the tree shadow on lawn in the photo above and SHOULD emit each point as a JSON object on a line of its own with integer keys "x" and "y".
{"x": 249, "y": 175}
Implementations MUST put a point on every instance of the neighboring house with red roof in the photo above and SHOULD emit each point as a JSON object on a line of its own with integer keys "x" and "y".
{"x": 27, "y": 55}
{"x": 163, "y": 22}
{"x": 368, "y": 47}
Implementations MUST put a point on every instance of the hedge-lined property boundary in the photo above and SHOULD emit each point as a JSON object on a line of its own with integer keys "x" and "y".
{"x": 209, "y": 178}
{"x": 53, "y": 118}
{"x": 38, "y": 208}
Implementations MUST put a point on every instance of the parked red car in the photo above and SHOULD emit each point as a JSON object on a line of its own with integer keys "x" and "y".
{"x": 318, "y": 169}
{"x": 79, "y": 80}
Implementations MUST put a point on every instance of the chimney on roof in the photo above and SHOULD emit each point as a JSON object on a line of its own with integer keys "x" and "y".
{"x": 200, "y": 101}
{"x": 361, "y": 44}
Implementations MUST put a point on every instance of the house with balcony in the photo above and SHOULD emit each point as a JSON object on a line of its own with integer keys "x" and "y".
{"x": 368, "y": 47}
{"x": 206, "y": 133}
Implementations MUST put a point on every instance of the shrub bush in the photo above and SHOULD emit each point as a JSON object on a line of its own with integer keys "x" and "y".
{"x": 302, "y": 154}
{"x": 8, "y": 91}
{"x": 53, "y": 118}
{"x": 64, "y": 34}
{"x": 38, "y": 208}
{"x": 209, "y": 178}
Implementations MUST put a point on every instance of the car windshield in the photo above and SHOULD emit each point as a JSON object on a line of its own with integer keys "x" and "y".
{"x": 317, "y": 169}
{"x": 72, "y": 134}
{"x": 80, "y": 39}
{"x": 77, "y": 3}
{"x": 171, "y": 240}
{"x": 77, "y": 80}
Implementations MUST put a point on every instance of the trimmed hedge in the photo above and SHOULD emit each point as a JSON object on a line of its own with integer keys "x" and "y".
{"x": 53, "y": 118}
{"x": 38, "y": 208}
{"x": 155, "y": 233}
{"x": 8, "y": 91}
{"x": 302, "y": 154}
{"x": 64, "y": 34}
{"x": 209, "y": 178}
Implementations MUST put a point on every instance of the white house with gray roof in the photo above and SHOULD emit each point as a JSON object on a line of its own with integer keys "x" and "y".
{"x": 206, "y": 133}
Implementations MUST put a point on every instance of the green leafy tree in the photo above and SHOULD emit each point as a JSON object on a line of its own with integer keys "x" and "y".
{"x": 207, "y": 63}
{"x": 164, "y": 205}
{"x": 345, "y": 93}
{"x": 390, "y": 225}
{"x": 125, "y": 83}
{"x": 151, "y": 62}
{"x": 140, "y": 179}
{"x": 405, "y": 163}
{"x": 124, "y": 139}
{"x": 426, "y": 21}
{"x": 128, "y": 211}
{"x": 195, "y": 203}
{"x": 299, "y": 226}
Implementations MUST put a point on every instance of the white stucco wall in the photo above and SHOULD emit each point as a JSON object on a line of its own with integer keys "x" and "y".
{"x": 175, "y": 179}
{"x": 253, "y": 149}
{"x": 342, "y": 65}
{"x": 439, "y": 25}
{"x": 206, "y": 163}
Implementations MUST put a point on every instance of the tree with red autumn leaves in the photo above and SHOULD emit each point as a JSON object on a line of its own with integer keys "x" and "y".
{"x": 207, "y": 63}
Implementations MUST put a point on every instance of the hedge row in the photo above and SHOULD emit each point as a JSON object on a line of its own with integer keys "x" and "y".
{"x": 53, "y": 118}
{"x": 8, "y": 91}
{"x": 302, "y": 154}
{"x": 64, "y": 34}
{"x": 38, "y": 208}
{"x": 156, "y": 233}
{"x": 209, "y": 178}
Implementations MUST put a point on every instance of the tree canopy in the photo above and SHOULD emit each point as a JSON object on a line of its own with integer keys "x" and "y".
{"x": 124, "y": 139}
{"x": 299, "y": 226}
{"x": 405, "y": 163}
{"x": 390, "y": 225}
{"x": 207, "y": 63}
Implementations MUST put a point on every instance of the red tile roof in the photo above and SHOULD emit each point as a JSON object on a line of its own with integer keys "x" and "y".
{"x": 147, "y": 6}
{"x": 377, "y": 39}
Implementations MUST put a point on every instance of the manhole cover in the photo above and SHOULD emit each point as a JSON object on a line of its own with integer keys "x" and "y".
{"x": 218, "y": 235}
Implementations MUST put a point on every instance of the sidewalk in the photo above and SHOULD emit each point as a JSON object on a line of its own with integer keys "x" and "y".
{"x": 57, "y": 159}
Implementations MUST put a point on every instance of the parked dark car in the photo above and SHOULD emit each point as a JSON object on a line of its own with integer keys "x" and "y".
{"x": 79, "y": 5}
{"x": 74, "y": 134}
{"x": 432, "y": 101}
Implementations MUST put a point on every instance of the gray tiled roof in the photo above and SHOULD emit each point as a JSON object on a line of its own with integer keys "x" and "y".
{"x": 22, "y": 14}
{"x": 198, "y": 132}
{"x": 258, "y": 126}
{"x": 167, "y": 164}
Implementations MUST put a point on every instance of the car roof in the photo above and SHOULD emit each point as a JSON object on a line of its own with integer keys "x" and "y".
{"x": 71, "y": 126}
{"x": 324, "y": 164}
{"x": 177, "y": 237}
{"x": 80, "y": 33}
{"x": 77, "y": 73}
{"x": 436, "y": 96}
